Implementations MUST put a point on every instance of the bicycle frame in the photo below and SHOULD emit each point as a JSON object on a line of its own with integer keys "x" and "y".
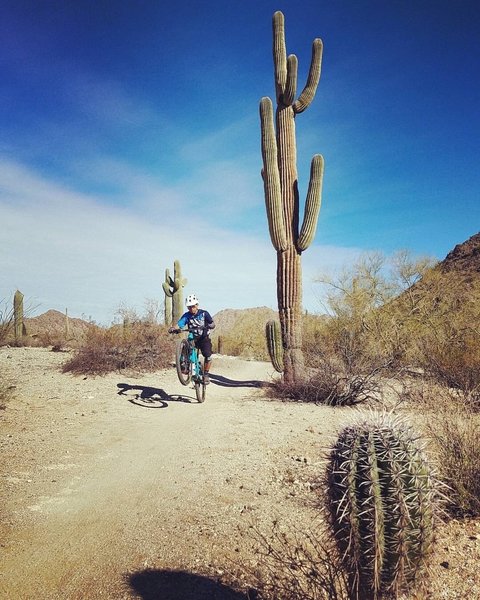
{"x": 197, "y": 371}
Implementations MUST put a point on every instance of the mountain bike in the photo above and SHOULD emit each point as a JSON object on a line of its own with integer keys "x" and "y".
{"x": 189, "y": 366}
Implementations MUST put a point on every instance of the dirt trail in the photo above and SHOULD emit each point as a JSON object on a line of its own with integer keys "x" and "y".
{"x": 125, "y": 487}
{"x": 122, "y": 487}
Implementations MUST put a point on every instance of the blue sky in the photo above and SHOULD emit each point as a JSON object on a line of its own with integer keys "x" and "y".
{"x": 130, "y": 137}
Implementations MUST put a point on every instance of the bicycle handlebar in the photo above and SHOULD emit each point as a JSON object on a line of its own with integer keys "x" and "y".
{"x": 177, "y": 330}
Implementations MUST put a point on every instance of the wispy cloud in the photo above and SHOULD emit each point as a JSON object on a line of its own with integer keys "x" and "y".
{"x": 63, "y": 248}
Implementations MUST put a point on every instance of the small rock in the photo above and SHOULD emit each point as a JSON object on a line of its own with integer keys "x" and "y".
{"x": 445, "y": 564}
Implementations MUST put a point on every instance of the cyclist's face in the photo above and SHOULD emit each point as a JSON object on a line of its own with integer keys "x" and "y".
{"x": 193, "y": 309}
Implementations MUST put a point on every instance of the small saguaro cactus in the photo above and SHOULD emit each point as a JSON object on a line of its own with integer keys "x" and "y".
{"x": 281, "y": 190}
{"x": 19, "y": 326}
{"x": 383, "y": 500}
{"x": 274, "y": 344}
{"x": 173, "y": 291}
{"x": 67, "y": 325}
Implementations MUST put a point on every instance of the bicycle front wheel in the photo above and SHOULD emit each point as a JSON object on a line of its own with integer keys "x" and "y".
{"x": 200, "y": 389}
{"x": 182, "y": 362}
{"x": 199, "y": 381}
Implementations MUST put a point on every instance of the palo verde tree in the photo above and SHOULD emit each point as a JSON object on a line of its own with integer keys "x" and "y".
{"x": 281, "y": 190}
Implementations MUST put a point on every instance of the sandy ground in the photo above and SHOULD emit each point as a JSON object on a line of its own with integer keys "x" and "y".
{"x": 125, "y": 487}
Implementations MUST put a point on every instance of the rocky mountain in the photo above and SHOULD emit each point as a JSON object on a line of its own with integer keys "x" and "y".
{"x": 54, "y": 323}
{"x": 464, "y": 257}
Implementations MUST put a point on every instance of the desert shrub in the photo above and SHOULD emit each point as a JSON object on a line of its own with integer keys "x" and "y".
{"x": 314, "y": 331}
{"x": 55, "y": 339}
{"x": 294, "y": 564}
{"x": 334, "y": 383}
{"x": 246, "y": 338}
{"x": 456, "y": 365}
{"x": 407, "y": 313}
{"x": 141, "y": 347}
{"x": 6, "y": 323}
{"x": 367, "y": 322}
{"x": 447, "y": 339}
{"x": 453, "y": 425}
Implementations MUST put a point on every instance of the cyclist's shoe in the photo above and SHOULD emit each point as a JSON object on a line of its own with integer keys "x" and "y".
{"x": 206, "y": 378}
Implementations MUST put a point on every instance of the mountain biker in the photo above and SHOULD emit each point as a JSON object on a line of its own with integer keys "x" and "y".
{"x": 198, "y": 322}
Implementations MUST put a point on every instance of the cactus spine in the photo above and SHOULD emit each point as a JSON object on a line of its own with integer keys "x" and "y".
{"x": 19, "y": 327}
{"x": 281, "y": 190}
{"x": 173, "y": 293}
{"x": 382, "y": 501}
{"x": 274, "y": 344}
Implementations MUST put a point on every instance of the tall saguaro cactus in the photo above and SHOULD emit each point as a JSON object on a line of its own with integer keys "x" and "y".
{"x": 173, "y": 294}
{"x": 281, "y": 190}
{"x": 18, "y": 324}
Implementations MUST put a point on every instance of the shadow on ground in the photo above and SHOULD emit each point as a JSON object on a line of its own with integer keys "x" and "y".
{"x": 153, "y": 584}
{"x": 149, "y": 397}
{"x": 224, "y": 382}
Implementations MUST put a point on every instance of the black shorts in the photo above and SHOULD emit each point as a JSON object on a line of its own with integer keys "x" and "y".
{"x": 205, "y": 346}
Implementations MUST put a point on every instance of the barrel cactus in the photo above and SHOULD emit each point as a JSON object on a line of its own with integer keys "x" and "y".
{"x": 383, "y": 501}
{"x": 280, "y": 182}
{"x": 274, "y": 344}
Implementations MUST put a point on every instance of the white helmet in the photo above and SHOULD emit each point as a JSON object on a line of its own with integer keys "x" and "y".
{"x": 191, "y": 300}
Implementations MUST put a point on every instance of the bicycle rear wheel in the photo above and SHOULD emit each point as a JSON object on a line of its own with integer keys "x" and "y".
{"x": 182, "y": 362}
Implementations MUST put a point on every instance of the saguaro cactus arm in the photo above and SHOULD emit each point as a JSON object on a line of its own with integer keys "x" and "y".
{"x": 312, "y": 205}
{"x": 271, "y": 178}
{"x": 279, "y": 55}
{"x": 178, "y": 282}
{"x": 291, "y": 85}
{"x": 167, "y": 284}
{"x": 274, "y": 344}
{"x": 313, "y": 78}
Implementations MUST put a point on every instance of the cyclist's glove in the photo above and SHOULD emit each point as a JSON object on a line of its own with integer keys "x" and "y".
{"x": 173, "y": 330}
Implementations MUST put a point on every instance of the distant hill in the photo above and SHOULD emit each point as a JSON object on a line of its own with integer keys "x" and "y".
{"x": 53, "y": 324}
{"x": 242, "y": 331}
{"x": 229, "y": 318}
{"x": 448, "y": 293}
